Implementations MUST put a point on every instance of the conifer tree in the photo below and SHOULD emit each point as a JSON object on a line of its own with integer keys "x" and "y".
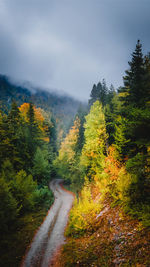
{"x": 95, "y": 94}
{"x": 133, "y": 81}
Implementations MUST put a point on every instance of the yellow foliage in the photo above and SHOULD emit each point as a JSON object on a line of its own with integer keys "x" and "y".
{"x": 67, "y": 148}
{"x": 122, "y": 183}
{"x": 83, "y": 212}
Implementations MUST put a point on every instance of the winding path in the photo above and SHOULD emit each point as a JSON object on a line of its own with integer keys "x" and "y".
{"x": 50, "y": 235}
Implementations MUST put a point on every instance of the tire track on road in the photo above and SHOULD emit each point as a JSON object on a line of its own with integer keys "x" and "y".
{"x": 50, "y": 235}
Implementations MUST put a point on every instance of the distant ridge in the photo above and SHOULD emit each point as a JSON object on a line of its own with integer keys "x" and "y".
{"x": 63, "y": 107}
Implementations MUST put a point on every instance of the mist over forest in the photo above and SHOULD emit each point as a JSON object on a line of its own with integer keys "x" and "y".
{"x": 74, "y": 133}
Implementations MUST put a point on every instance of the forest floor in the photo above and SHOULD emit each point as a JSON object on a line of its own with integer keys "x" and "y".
{"x": 115, "y": 239}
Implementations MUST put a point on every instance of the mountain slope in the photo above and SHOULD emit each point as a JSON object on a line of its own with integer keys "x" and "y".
{"x": 63, "y": 107}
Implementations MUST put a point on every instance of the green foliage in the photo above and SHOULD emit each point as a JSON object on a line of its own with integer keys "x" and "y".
{"x": 8, "y": 171}
{"x": 94, "y": 148}
{"x": 41, "y": 167}
{"x": 121, "y": 141}
{"x": 99, "y": 92}
{"x": 134, "y": 80}
{"x": 68, "y": 161}
{"x": 22, "y": 188}
{"x": 43, "y": 197}
{"x": 8, "y": 207}
{"x": 112, "y": 111}
{"x": 24, "y": 150}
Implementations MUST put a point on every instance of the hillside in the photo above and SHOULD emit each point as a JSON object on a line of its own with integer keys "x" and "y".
{"x": 107, "y": 161}
{"x": 113, "y": 239}
{"x": 63, "y": 107}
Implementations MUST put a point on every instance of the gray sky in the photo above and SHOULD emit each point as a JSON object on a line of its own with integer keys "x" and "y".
{"x": 71, "y": 44}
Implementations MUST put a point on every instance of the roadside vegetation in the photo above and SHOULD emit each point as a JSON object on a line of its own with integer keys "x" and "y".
{"x": 26, "y": 155}
{"x": 106, "y": 156}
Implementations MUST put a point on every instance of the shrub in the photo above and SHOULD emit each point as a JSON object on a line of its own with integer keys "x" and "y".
{"x": 82, "y": 213}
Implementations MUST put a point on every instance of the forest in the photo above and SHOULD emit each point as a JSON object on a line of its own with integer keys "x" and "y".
{"x": 104, "y": 158}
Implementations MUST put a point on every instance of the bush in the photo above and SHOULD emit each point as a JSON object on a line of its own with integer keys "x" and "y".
{"x": 22, "y": 188}
{"x": 83, "y": 212}
{"x": 43, "y": 196}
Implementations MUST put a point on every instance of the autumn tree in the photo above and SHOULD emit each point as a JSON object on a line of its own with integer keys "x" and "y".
{"x": 94, "y": 149}
{"x": 67, "y": 161}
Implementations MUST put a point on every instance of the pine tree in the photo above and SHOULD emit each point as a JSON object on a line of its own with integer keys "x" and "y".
{"x": 95, "y": 94}
{"x": 103, "y": 93}
{"x": 33, "y": 136}
{"x": 12, "y": 136}
{"x": 99, "y": 92}
{"x": 121, "y": 142}
{"x": 133, "y": 90}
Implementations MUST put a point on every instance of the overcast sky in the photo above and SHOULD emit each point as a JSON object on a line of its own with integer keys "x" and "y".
{"x": 71, "y": 44}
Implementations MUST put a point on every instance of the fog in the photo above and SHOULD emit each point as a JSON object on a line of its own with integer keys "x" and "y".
{"x": 68, "y": 45}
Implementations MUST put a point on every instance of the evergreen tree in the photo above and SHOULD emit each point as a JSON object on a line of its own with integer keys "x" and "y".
{"x": 133, "y": 91}
{"x": 11, "y": 140}
{"x": 41, "y": 168}
{"x": 33, "y": 135}
{"x": 82, "y": 112}
{"x": 99, "y": 92}
{"x": 103, "y": 92}
{"x": 121, "y": 142}
{"x": 95, "y": 94}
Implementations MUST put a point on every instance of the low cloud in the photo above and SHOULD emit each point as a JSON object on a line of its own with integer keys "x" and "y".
{"x": 70, "y": 44}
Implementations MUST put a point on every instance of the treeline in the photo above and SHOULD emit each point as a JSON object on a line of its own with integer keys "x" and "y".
{"x": 63, "y": 107}
{"x": 27, "y": 148}
{"x": 109, "y": 148}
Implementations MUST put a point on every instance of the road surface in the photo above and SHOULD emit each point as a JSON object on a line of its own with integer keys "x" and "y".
{"x": 50, "y": 235}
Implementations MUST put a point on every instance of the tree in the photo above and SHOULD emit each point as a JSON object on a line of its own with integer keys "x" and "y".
{"x": 99, "y": 92}
{"x": 103, "y": 92}
{"x": 22, "y": 188}
{"x": 12, "y": 136}
{"x": 94, "y": 149}
{"x": 68, "y": 159}
{"x": 41, "y": 168}
{"x": 8, "y": 207}
{"x": 133, "y": 92}
{"x": 121, "y": 142}
{"x": 95, "y": 94}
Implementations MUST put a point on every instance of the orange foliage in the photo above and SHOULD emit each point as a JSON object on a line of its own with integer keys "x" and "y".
{"x": 39, "y": 118}
{"x": 112, "y": 165}
{"x": 37, "y": 111}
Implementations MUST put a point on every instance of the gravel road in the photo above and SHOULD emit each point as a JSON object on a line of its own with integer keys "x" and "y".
{"x": 50, "y": 235}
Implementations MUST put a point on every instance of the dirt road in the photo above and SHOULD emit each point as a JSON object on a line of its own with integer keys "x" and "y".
{"x": 50, "y": 235}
